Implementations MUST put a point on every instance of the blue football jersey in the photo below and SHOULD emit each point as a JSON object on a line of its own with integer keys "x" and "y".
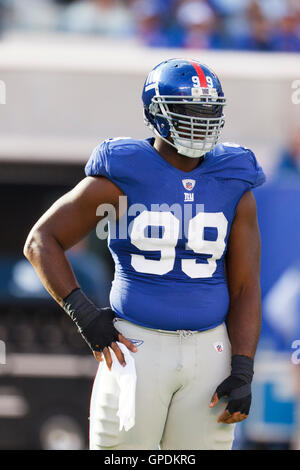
{"x": 169, "y": 246}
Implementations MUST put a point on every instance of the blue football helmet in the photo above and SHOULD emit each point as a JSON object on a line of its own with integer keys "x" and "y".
{"x": 183, "y": 104}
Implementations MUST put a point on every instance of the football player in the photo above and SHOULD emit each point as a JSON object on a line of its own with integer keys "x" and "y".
{"x": 185, "y": 299}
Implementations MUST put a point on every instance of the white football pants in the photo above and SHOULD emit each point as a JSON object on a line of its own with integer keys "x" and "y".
{"x": 177, "y": 374}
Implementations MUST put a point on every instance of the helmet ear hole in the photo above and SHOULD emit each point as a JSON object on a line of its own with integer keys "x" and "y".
{"x": 163, "y": 126}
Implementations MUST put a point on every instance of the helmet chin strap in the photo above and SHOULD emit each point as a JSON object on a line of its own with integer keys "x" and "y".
{"x": 187, "y": 152}
{"x": 192, "y": 153}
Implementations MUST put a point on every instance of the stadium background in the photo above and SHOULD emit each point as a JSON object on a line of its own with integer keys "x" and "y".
{"x": 71, "y": 74}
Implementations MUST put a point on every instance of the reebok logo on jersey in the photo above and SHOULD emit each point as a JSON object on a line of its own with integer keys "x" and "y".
{"x": 219, "y": 347}
{"x": 188, "y": 184}
{"x": 136, "y": 342}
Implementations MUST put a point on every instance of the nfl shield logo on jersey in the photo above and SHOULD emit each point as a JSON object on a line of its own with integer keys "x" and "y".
{"x": 188, "y": 184}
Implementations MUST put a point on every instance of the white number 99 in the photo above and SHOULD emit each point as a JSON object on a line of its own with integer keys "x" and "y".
{"x": 167, "y": 243}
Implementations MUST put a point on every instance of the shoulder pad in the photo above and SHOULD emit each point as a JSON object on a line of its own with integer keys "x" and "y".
{"x": 106, "y": 157}
{"x": 232, "y": 161}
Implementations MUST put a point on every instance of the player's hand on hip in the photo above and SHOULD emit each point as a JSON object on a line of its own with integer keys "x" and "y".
{"x": 120, "y": 356}
{"x": 100, "y": 335}
{"x": 237, "y": 387}
{"x": 96, "y": 326}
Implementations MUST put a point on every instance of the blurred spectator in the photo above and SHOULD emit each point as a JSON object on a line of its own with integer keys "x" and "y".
{"x": 260, "y": 34}
{"x": 272, "y": 10}
{"x": 289, "y": 165}
{"x": 286, "y": 36}
{"x": 149, "y": 23}
{"x": 154, "y": 24}
{"x": 105, "y": 17}
{"x": 233, "y": 16}
{"x": 259, "y": 31}
{"x": 274, "y": 26}
{"x": 198, "y": 21}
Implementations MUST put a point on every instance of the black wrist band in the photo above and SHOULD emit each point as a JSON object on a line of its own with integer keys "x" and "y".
{"x": 81, "y": 309}
{"x": 242, "y": 366}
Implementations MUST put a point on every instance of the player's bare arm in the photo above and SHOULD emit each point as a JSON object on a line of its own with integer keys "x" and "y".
{"x": 243, "y": 274}
{"x": 243, "y": 271}
{"x": 68, "y": 221}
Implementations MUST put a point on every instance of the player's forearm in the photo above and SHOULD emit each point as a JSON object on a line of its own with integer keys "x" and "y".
{"x": 244, "y": 320}
{"x": 51, "y": 264}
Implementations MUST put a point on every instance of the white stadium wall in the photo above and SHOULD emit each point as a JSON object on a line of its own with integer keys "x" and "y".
{"x": 64, "y": 95}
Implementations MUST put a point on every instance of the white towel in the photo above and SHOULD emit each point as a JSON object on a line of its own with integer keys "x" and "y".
{"x": 126, "y": 378}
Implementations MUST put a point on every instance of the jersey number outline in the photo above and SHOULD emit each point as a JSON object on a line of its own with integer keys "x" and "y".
{"x": 167, "y": 243}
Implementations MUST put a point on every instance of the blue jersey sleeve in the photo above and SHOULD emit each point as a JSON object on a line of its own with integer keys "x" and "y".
{"x": 98, "y": 163}
{"x": 253, "y": 171}
{"x": 116, "y": 159}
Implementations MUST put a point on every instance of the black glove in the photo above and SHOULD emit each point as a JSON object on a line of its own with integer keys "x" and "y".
{"x": 94, "y": 324}
{"x": 100, "y": 333}
{"x": 237, "y": 387}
